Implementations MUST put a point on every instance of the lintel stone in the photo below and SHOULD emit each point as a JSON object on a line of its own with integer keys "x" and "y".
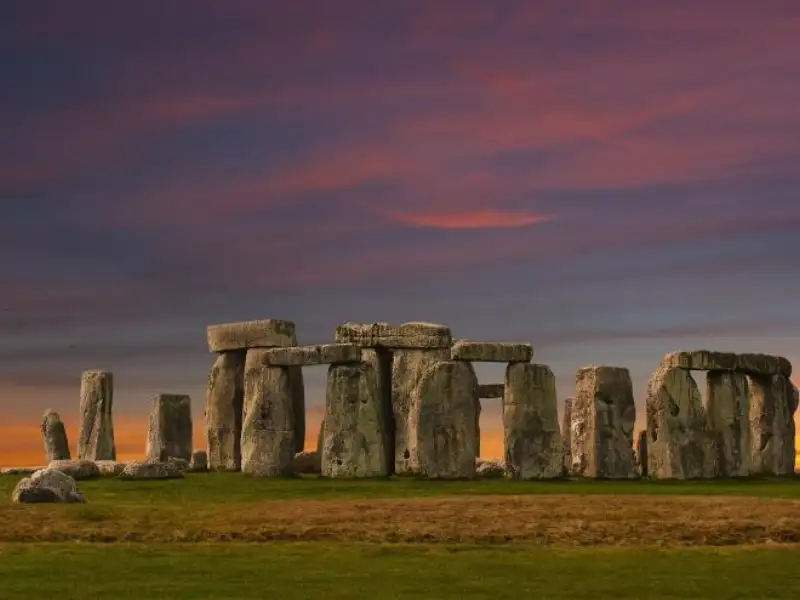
{"x": 305, "y": 356}
{"x": 491, "y": 390}
{"x": 708, "y": 360}
{"x": 414, "y": 334}
{"x": 264, "y": 333}
{"x": 503, "y": 352}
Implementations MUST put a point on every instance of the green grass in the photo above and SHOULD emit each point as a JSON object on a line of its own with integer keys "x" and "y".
{"x": 235, "y": 487}
{"x": 349, "y": 572}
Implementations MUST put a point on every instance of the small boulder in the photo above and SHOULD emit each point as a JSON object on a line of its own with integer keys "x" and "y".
{"x": 307, "y": 462}
{"x": 144, "y": 469}
{"x": 490, "y": 469}
{"x": 77, "y": 469}
{"x": 47, "y": 485}
{"x": 199, "y": 462}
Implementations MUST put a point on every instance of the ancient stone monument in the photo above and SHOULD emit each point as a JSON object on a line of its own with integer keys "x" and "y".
{"x": 603, "y": 415}
{"x": 54, "y": 434}
{"x": 566, "y": 436}
{"x": 96, "y": 441}
{"x": 169, "y": 429}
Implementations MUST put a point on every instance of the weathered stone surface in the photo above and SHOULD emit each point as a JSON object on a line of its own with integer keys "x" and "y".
{"x": 678, "y": 442}
{"x": 355, "y": 428}
{"x": 533, "y": 446}
{"x": 298, "y": 387}
{"x": 268, "y": 425}
{"x": 47, "y": 485}
{"x": 505, "y": 352}
{"x": 169, "y": 428}
{"x": 641, "y": 452}
{"x": 54, "y": 434}
{"x": 20, "y": 470}
{"x": 491, "y": 390}
{"x": 77, "y": 469}
{"x": 263, "y": 333}
{"x": 381, "y": 361}
{"x": 772, "y": 429}
{"x": 307, "y": 462}
{"x": 306, "y": 356}
{"x": 566, "y": 436}
{"x": 151, "y": 469}
{"x": 490, "y": 469}
{"x": 708, "y": 360}
{"x": 179, "y": 464}
{"x": 96, "y": 440}
{"x": 383, "y": 335}
{"x": 603, "y": 414}
{"x": 224, "y": 399}
{"x": 408, "y": 367}
{"x": 110, "y": 468}
{"x": 728, "y": 413}
{"x": 199, "y": 461}
{"x": 442, "y": 440}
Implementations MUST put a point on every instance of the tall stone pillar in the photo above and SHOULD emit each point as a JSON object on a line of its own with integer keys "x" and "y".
{"x": 772, "y": 406}
{"x": 169, "y": 429}
{"x": 54, "y": 435}
{"x": 96, "y": 441}
{"x": 225, "y": 391}
{"x": 728, "y": 413}
{"x": 566, "y": 437}
{"x": 641, "y": 453}
{"x": 532, "y": 439}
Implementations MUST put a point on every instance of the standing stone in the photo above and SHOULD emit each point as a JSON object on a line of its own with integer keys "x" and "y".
{"x": 641, "y": 453}
{"x": 96, "y": 441}
{"x": 354, "y": 443}
{"x": 566, "y": 437}
{"x": 442, "y": 438}
{"x": 603, "y": 414}
{"x": 169, "y": 429}
{"x": 199, "y": 461}
{"x": 54, "y": 434}
{"x": 299, "y": 404}
{"x": 268, "y": 419}
{"x": 772, "y": 406}
{"x": 224, "y": 400}
{"x": 381, "y": 361}
{"x": 532, "y": 439}
{"x": 728, "y": 413}
{"x": 678, "y": 444}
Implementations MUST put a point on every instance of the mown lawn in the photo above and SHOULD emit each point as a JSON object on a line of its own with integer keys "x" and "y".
{"x": 350, "y": 571}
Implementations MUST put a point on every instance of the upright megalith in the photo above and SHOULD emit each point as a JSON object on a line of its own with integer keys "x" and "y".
{"x": 224, "y": 402}
{"x": 603, "y": 415}
{"x": 381, "y": 361}
{"x": 96, "y": 441}
{"x": 566, "y": 437}
{"x": 678, "y": 442}
{"x": 442, "y": 433}
{"x": 354, "y": 441}
{"x": 54, "y": 435}
{"x": 532, "y": 440}
{"x": 169, "y": 428}
{"x": 641, "y": 453}
{"x": 773, "y": 402}
{"x": 268, "y": 439}
{"x": 727, "y": 414}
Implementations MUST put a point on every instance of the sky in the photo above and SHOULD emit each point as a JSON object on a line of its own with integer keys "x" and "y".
{"x": 609, "y": 180}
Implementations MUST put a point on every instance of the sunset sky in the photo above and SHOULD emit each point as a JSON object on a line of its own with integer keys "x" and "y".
{"x": 610, "y": 180}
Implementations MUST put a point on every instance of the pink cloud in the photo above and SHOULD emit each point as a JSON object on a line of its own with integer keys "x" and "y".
{"x": 479, "y": 219}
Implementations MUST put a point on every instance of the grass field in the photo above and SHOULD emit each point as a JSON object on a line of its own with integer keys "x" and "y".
{"x": 231, "y": 536}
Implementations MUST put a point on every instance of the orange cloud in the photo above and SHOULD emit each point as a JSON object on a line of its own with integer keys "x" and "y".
{"x": 477, "y": 219}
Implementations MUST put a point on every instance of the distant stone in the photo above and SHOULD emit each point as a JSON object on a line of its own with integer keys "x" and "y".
{"x": 490, "y": 469}
{"x": 54, "y": 434}
{"x": 147, "y": 469}
{"x": 96, "y": 440}
{"x": 728, "y": 413}
{"x": 603, "y": 415}
{"x": 708, "y": 360}
{"x": 199, "y": 461}
{"x": 169, "y": 430}
{"x": 504, "y": 352}
{"x": 305, "y": 356}
{"x": 307, "y": 462}
{"x": 264, "y": 333}
{"x": 533, "y": 445}
{"x": 110, "y": 468}
{"x": 641, "y": 453}
{"x": 20, "y": 470}
{"x": 77, "y": 469}
{"x": 566, "y": 436}
{"x": 678, "y": 442}
{"x": 491, "y": 390}
{"x": 383, "y": 335}
{"x": 47, "y": 485}
{"x": 772, "y": 406}
{"x": 443, "y": 440}
{"x": 223, "y": 415}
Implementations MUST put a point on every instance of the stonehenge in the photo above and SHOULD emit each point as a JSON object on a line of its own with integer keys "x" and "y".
{"x": 169, "y": 429}
{"x": 96, "y": 441}
{"x": 54, "y": 434}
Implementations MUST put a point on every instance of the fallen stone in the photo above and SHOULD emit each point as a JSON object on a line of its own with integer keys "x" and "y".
{"x": 20, "y": 470}
{"x": 224, "y": 400}
{"x": 603, "y": 414}
{"x": 169, "y": 429}
{"x": 443, "y": 441}
{"x": 728, "y": 413}
{"x": 77, "y": 469}
{"x": 490, "y": 469}
{"x": 504, "y": 352}
{"x": 708, "y": 360}
{"x": 199, "y": 462}
{"x": 151, "y": 469}
{"x": 533, "y": 446}
{"x": 54, "y": 434}
{"x": 491, "y": 390}
{"x": 264, "y": 333}
{"x": 305, "y": 356}
{"x": 355, "y": 427}
{"x": 408, "y": 367}
{"x": 566, "y": 437}
{"x": 96, "y": 440}
{"x": 47, "y": 485}
{"x": 268, "y": 422}
{"x": 307, "y": 462}
{"x": 772, "y": 428}
{"x": 383, "y": 335}
{"x": 641, "y": 453}
{"x": 110, "y": 468}
{"x": 678, "y": 442}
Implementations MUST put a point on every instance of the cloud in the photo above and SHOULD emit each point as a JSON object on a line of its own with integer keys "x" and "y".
{"x": 481, "y": 219}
